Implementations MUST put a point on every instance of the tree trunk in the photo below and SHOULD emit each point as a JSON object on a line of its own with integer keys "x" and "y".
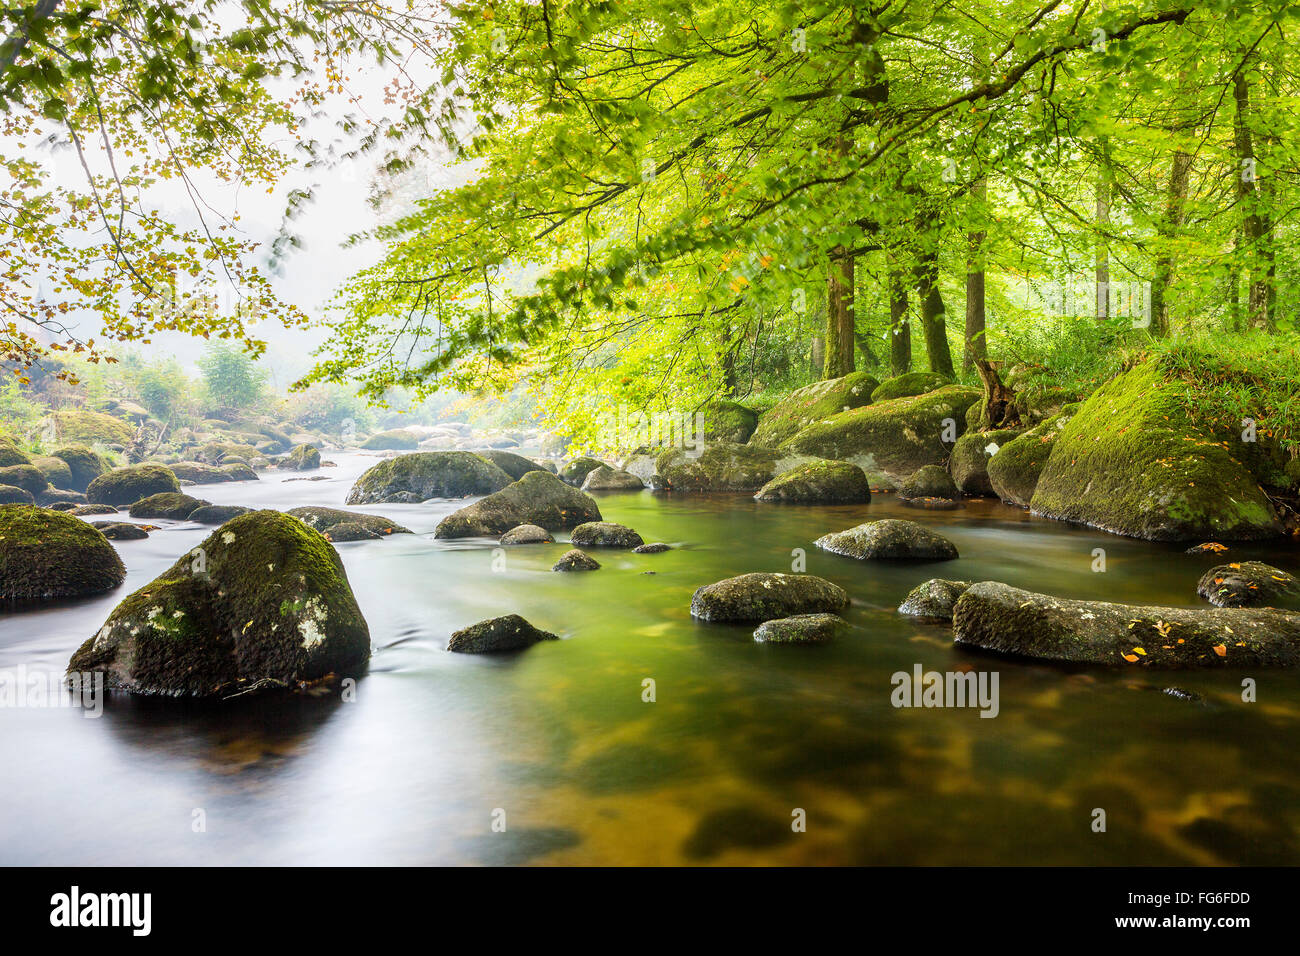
{"x": 1175, "y": 198}
{"x": 1255, "y": 226}
{"x": 934, "y": 321}
{"x": 818, "y": 359}
{"x": 900, "y": 327}
{"x": 839, "y": 316}
{"x": 976, "y": 348}
{"x": 1102, "y": 298}
{"x": 998, "y": 409}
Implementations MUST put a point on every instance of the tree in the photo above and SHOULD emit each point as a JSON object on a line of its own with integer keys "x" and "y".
{"x": 231, "y": 377}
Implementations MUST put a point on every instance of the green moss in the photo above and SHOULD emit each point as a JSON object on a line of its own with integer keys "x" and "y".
{"x": 1133, "y": 460}
{"x": 722, "y": 466}
{"x": 819, "y": 481}
{"x": 11, "y": 454}
{"x": 425, "y": 475}
{"x": 124, "y": 486}
{"x": 909, "y": 383}
{"x": 12, "y": 495}
{"x": 929, "y": 481}
{"x": 575, "y": 472}
{"x": 167, "y": 504}
{"x": 812, "y": 403}
{"x": 47, "y": 554}
{"x": 325, "y": 520}
{"x": 970, "y": 458}
{"x": 397, "y": 439}
{"x": 726, "y": 420}
{"x": 56, "y": 471}
{"x": 1013, "y": 471}
{"x": 85, "y": 427}
{"x": 303, "y": 458}
{"x": 85, "y": 464}
{"x": 28, "y": 477}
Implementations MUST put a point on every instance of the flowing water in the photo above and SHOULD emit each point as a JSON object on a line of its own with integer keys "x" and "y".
{"x": 741, "y": 741}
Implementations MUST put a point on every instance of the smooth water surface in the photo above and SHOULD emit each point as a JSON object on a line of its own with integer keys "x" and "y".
{"x": 559, "y": 744}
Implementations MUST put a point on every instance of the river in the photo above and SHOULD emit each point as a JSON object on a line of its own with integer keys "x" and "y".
{"x": 553, "y": 756}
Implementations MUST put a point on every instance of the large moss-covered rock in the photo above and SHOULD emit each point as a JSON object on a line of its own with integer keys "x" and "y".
{"x": 396, "y": 439}
{"x": 124, "y": 486}
{"x": 575, "y": 472}
{"x": 121, "y": 530}
{"x": 84, "y": 463}
{"x": 1131, "y": 461}
{"x": 800, "y": 629}
{"x": 81, "y": 426}
{"x": 605, "y": 534}
{"x": 722, "y": 466}
{"x": 216, "y": 452}
{"x": 527, "y": 534}
{"x": 929, "y": 481}
{"x": 167, "y": 504}
{"x": 302, "y": 458}
{"x": 326, "y": 520}
{"x": 907, "y": 384}
{"x": 933, "y": 600}
{"x": 575, "y": 559}
{"x": 819, "y": 482}
{"x": 28, "y": 477}
{"x": 726, "y": 420}
{"x": 969, "y": 464}
{"x": 1246, "y": 584}
{"x": 45, "y": 555}
{"x": 891, "y": 439}
{"x": 60, "y": 499}
{"x": 538, "y": 498}
{"x": 1013, "y": 471}
{"x": 606, "y": 478}
{"x": 508, "y": 633}
{"x": 997, "y": 617}
{"x": 237, "y": 471}
{"x": 13, "y": 495}
{"x": 889, "y": 539}
{"x": 11, "y": 454}
{"x": 812, "y": 403}
{"x": 516, "y": 466}
{"x": 56, "y": 472}
{"x": 764, "y": 597}
{"x": 216, "y": 514}
{"x": 409, "y": 479}
{"x": 199, "y": 473}
{"x": 264, "y": 600}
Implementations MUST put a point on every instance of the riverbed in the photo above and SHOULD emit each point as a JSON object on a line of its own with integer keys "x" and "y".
{"x": 747, "y": 753}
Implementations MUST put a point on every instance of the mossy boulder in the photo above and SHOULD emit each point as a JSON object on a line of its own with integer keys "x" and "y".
{"x": 46, "y": 555}
{"x": 168, "y": 504}
{"x": 722, "y": 466}
{"x": 302, "y": 458}
{"x": 527, "y": 534}
{"x": 763, "y": 596}
{"x": 1007, "y": 620}
{"x": 516, "y": 466}
{"x": 84, "y": 463}
{"x": 216, "y": 452}
{"x": 575, "y": 559}
{"x": 891, "y": 539}
{"x": 82, "y": 511}
{"x": 908, "y": 384}
{"x": 800, "y": 629}
{"x": 57, "y": 497}
{"x": 409, "y": 479}
{"x": 216, "y": 514}
{"x": 56, "y": 472}
{"x": 575, "y": 472}
{"x": 1131, "y": 461}
{"x": 1246, "y": 584}
{"x": 327, "y": 521}
{"x": 819, "y": 482}
{"x": 121, "y": 530}
{"x": 1014, "y": 469}
{"x": 891, "y": 439}
{"x": 81, "y": 426}
{"x": 28, "y": 477}
{"x": 198, "y": 472}
{"x": 929, "y": 481}
{"x": 124, "y": 486}
{"x": 13, "y": 495}
{"x": 933, "y": 600}
{"x": 655, "y": 547}
{"x": 969, "y": 464}
{"x": 396, "y": 439}
{"x": 606, "y": 478}
{"x": 605, "y": 534}
{"x": 810, "y": 404}
{"x": 263, "y": 601}
{"x": 237, "y": 471}
{"x": 507, "y": 633}
{"x": 538, "y": 498}
{"x": 11, "y": 454}
{"x": 725, "y": 420}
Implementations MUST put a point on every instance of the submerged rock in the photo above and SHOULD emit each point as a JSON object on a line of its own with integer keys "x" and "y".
{"x": 124, "y": 486}
{"x": 1245, "y": 584}
{"x": 576, "y": 560}
{"x": 997, "y": 617}
{"x": 527, "y": 534}
{"x": 930, "y": 481}
{"x": 302, "y": 458}
{"x": 328, "y": 521}
{"x": 1131, "y": 461}
{"x": 45, "y": 555}
{"x": 169, "y": 504}
{"x": 264, "y": 598}
{"x": 82, "y": 511}
{"x": 538, "y": 498}
{"x": 891, "y": 439}
{"x": 821, "y": 482}
{"x": 810, "y": 404}
{"x": 605, "y": 534}
{"x": 121, "y": 530}
{"x": 216, "y": 514}
{"x": 889, "y": 539}
{"x": 606, "y": 478}
{"x": 58, "y": 498}
{"x": 1013, "y": 471}
{"x": 237, "y": 471}
{"x": 969, "y": 464}
{"x": 933, "y": 600}
{"x": 507, "y": 633}
{"x": 800, "y": 629}
{"x": 655, "y": 548}
{"x": 410, "y": 479}
{"x": 763, "y": 597}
